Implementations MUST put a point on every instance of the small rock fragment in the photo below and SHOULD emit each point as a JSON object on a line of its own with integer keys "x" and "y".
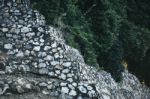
{"x": 8, "y": 46}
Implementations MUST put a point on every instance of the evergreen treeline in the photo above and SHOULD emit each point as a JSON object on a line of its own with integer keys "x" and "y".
{"x": 107, "y": 32}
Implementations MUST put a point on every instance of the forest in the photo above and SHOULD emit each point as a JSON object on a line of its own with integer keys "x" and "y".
{"x": 108, "y": 33}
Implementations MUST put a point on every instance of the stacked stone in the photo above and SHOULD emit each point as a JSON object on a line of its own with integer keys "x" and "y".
{"x": 28, "y": 46}
{"x": 33, "y": 47}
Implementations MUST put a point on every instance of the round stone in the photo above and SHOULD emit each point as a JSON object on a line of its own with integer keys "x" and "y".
{"x": 71, "y": 86}
{"x": 70, "y": 79}
{"x": 8, "y": 35}
{"x": 50, "y": 86}
{"x": 54, "y": 50}
{"x": 57, "y": 71}
{"x": 63, "y": 84}
{"x": 28, "y": 86}
{"x": 67, "y": 64}
{"x": 51, "y": 74}
{"x": 30, "y": 34}
{"x": 20, "y": 54}
{"x": 43, "y": 84}
{"x": 69, "y": 75}
{"x": 40, "y": 29}
{"x": 37, "y": 48}
{"x": 64, "y": 90}
{"x": 41, "y": 54}
{"x": 27, "y": 53}
{"x": 65, "y": 71}
{"x": 45, "y": 92}
{"x": 46, "y": 48}
{"x": 19, "y": 89}
{"x": 63, "y": 76}
{"x": 73, "y": 93}
{"x": 82, "y": 89}
{"x": 5, "y": 30}
{"x": 89, "y": 88}
{"x": 14, "y": 30}
{"x": 8, "y": 46}
{"x": 25, "y": 29}
{"x": 48, "y": 58}
{"x": 41, "y": 65}
{"x": 41, "y": 40}
{"x": 54, "y": 44}
{"x": 58, "y": 67}
{"x": 74, "y": 84}
{"x": 54, "y": 63}
{"x": 56, "y": 55}
{"x": 21, "y": 81}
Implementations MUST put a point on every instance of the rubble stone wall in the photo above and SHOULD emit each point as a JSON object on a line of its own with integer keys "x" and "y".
{"x": 35, "y": 59}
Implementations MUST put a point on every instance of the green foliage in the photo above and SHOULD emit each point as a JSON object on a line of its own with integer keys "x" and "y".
{"x": 105, "y": 31}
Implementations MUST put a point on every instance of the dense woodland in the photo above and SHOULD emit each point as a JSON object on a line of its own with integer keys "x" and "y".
{"x": 107, "y": 32}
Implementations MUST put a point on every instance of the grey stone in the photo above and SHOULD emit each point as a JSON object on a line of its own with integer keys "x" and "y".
{"x": 54, "y": 63}
{"x": 42, "y": 54}
{"x": 40, "y": 29}
{"x": 51, "y": 74}
{"x": 45, "y": 92}
{"x": 56, "y": 55}
{"x": 58, "y": 67}
{"x": 65, "y": 71}
{"x": 62, "y": 76}
{"x": 72, "y": 93}
{"x": 14, "y": 30}
{"x": 43, "y": 71}
{"x": 1, "y": 91}
{"x": 28, "y": 86}
{"x": 57, "y": 71}
{"x": 20, "y": 89}
{"x": 42, "y": 84}
{"x": 47, "y": 48}
{"x": 8, "y": 35}
{"x": 54, "y": 45}
{"x": 30, "y": 34}
{"x": 8, "y": 46}
{"x": 42, "y": 40}
{"x": 64, "y": 90}
{"x": 82, "y": 89}
{"x": 37, "y": 48}
{"x": 21, "y": 21}
{"x": 63, "y": 84}
{"x": 74, "y": 84}
{"x": 67, "y": 64}
{"x": 54, "y": 50}
{"x": 6, "y": 15}
{"x": 89, "y": 88}
{"x": 27, "y": 53}
{"x": 42, "y": 65}
{"x": 70, "y": 79}
{"x": 71, "y": 86}
{"x": 50, "y": 86}
{"x": 25, "y": 29}
{"x": 4, "y": 29}
{"x": 20, "y": 54}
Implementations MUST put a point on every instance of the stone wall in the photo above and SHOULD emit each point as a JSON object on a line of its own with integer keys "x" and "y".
{"x": 35, "y": 59}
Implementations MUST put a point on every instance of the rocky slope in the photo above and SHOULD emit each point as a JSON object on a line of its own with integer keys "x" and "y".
{"x": 35, "y": 62}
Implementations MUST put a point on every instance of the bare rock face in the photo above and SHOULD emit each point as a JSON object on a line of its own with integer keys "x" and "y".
{"x": 35, "y": 62}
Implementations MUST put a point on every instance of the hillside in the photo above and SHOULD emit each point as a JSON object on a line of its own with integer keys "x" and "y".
{"x": 36, "y": 62}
